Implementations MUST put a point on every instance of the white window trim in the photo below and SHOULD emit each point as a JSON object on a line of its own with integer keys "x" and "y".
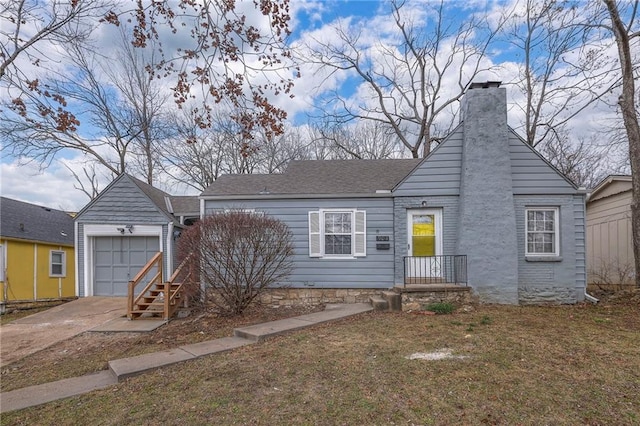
{"x": 317, "y": 237}
{"x": 111, "y": 230}
{"x": 64, "y": 264}
{"x": 3, "y": 262}
{"x": 556, "y": 231}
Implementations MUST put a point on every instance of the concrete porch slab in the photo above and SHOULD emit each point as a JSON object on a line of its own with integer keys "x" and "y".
{"x": 125, "y": 325}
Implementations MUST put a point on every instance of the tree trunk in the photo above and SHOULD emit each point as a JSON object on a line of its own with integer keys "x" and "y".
{"x": 630, "y": 117}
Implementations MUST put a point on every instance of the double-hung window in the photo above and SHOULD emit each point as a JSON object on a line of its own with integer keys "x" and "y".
{"x": 337, "y": 233}
{"x": 542, "y": 225}
{"x": 57, "y": 263}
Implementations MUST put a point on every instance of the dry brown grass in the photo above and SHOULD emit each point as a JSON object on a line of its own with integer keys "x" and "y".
{"x": 90, "y": 352}
{"x": 523, "y": 365}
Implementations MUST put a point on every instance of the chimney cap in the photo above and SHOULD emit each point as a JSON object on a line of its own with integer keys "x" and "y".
{"x": 485, "y": 84}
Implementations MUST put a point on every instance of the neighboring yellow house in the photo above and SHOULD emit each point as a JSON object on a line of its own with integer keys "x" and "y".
{"x": 37, "y": 256}
{"x": 609, "y": 243}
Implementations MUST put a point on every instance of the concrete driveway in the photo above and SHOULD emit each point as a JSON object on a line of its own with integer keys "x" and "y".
{"x": 38, "y": 331}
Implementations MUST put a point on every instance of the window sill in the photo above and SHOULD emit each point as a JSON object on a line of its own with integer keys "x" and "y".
{"x": 337, "y": 257}
{"x": 543, "y": 258}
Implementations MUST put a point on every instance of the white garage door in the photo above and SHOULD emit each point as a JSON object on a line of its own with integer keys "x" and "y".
{"x": 118, "y": 259}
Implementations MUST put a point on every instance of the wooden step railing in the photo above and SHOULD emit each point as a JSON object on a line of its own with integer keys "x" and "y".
{"x": 158, "y": 297}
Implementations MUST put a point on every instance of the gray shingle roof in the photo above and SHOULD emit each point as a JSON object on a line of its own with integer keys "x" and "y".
{"x": 27, "y": 221}
{"x": 156, "y": 195}
{"x": 185, "y": 205}
{"x": 179, "y": 205}
{"x": 316, "y": 177}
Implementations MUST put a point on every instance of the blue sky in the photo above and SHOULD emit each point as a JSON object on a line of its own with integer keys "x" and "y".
{"x": 53, "y": 186}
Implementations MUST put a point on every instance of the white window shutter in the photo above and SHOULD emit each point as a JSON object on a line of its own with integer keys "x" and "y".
{"x": 315, "y": 247}
{"x": 360, "y": 233}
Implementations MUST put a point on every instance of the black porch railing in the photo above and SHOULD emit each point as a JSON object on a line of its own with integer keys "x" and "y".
{"x": 444, "y": 269}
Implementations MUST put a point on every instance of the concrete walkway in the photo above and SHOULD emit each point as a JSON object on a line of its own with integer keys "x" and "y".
{"x": 31, "y": 334}
{"x": 120, "y": 369}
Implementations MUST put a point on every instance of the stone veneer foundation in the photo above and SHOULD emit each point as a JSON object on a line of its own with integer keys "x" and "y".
{"x": 316, "y": 296}
{"x": 412, "y": 299}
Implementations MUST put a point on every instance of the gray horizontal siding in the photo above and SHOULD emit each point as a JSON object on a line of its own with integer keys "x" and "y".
{"x": 373, "y": 271}
{"x": 556, "y": 282}
{"x": 123, "y": 203}
{"x": 531, "y": 175}
{"x": 439, "y": 174}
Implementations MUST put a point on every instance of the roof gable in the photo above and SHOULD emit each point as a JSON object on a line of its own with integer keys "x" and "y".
{"x": 31, "y": 222}
{"x": 611, "y": 185}
{"x": 126, "y": 199}
{"x": 532, "y": 173}
{"x": 439, "y": 173}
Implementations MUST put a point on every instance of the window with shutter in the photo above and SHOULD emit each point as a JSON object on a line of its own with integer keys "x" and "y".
{"x": 315, "y": 249}
{"x": 337, "y": 233}
{"x": 360, "y": 233}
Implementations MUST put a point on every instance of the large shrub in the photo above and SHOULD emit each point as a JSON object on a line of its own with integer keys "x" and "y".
{"x": 238, "y": 255}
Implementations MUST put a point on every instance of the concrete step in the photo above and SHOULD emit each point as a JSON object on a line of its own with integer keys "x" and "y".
{"x": 332, "y": 312}
{"x": 378, "y": 303}
{"x": 394, "y": 300}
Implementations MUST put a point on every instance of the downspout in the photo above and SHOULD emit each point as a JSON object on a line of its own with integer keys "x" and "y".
{"x": 590, "y": 298}
{"x": 587, "y": 296}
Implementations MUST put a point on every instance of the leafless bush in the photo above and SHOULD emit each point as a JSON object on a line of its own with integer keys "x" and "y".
{"x": 611, "y": 275}
{"x": 238, "y": 255}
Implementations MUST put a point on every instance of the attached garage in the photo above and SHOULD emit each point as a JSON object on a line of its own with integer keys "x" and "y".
{"x": 118, "y": 259}
{"x": 121, "y": 229}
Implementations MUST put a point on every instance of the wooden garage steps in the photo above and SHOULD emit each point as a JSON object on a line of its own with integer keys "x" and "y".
{"x": 158, "y": 298}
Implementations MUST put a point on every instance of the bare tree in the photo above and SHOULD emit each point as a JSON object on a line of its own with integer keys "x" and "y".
{"x": 196, "y": 155}
{"x": 199, "y": 155}
{"x": 89, "y": 184}
{"x": 31, "y": 34}
{"x": 28, "y": 27}
{"x": 238, "y": 255}
{"x": 145, "y": 103}
{"x": 122, "y": 107}
{"x": 414, "y": 77}
{"x": 627, "y": 35}
{"x": 236, "y": 54}
{"x": 365, "y": 139}
{"x": 585, "y": 162}
{"x": 549, "y": 35}
{"x": 273, "y": 154}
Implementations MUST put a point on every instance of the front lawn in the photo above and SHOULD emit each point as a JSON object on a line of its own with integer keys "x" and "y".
{"x": 508, "y": 365}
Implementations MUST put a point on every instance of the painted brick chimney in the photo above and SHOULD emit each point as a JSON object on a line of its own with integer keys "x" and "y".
{"x": 487, "y": 222}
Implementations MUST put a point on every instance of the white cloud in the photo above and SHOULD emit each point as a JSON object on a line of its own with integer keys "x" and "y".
{"x": 53, "y": 187}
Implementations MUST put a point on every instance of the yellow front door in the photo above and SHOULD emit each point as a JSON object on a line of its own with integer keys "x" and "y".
{"x": 425, "y": 242}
